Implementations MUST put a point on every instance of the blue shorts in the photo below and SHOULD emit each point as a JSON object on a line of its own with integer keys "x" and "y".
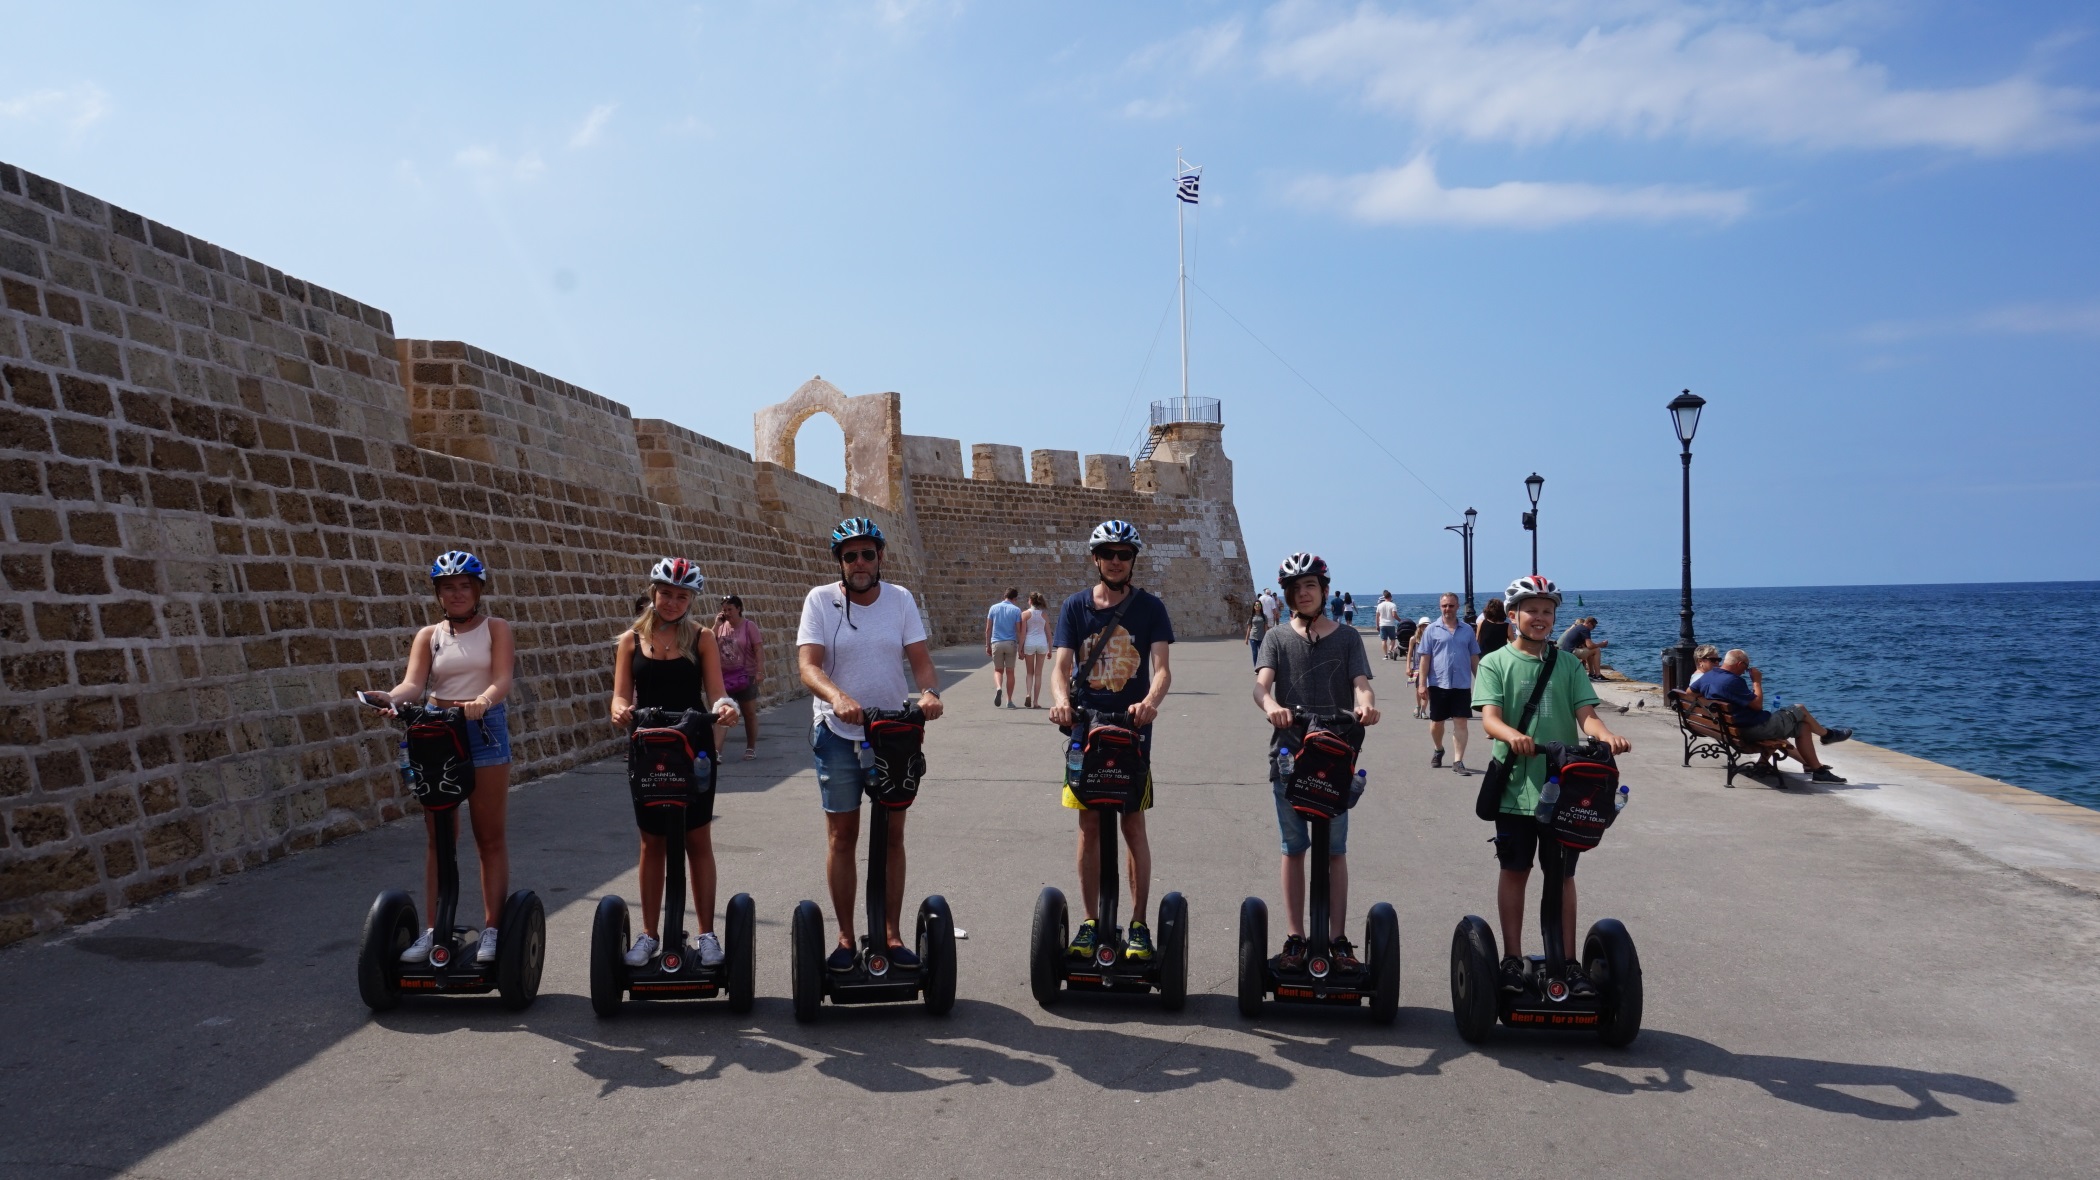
{"x": 840, "y": 778}
{"x": 488, "y": 740}
{"x": 1297, "y": 830}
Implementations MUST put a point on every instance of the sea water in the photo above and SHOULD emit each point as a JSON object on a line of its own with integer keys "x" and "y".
{"x": 1978, "y": 676}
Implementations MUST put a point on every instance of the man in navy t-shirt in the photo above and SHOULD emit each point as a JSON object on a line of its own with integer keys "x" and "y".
{"x": 1789, "y": 723}
{"x": 1130, "y": 676}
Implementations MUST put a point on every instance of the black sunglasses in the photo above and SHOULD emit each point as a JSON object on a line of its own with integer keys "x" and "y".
{"x": 1116, "y": 554}
{"x": 855, "y": 555}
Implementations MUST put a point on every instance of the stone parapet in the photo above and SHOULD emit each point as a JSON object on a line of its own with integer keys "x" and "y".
{"x": 1108, "y": 473}
{"x": 996, "y": 462}
{"x": 1057, "y": 469}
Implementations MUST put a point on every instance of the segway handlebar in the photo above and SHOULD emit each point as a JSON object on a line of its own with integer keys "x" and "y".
{"x": 653, "y": 718}
{"x": 408, "y": 713}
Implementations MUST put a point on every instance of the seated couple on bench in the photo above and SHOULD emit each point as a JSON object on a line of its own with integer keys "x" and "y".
{"x": 1732, "y": 681}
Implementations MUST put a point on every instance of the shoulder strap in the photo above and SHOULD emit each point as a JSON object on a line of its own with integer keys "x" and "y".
{"x": 1538, "y": 689}
{"x": 1079, "y": 675}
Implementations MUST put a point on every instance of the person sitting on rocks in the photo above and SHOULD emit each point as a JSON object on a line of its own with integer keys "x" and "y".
{"x": 1742, "y": 688}
{"x": 1578, "y": 641}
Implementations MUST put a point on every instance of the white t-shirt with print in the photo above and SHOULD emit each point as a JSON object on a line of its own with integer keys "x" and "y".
{"x": 866, "y": 657}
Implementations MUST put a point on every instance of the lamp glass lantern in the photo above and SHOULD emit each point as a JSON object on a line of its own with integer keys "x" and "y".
{"x": 1684, "y": 414}
{"x": 1536, "y": 483}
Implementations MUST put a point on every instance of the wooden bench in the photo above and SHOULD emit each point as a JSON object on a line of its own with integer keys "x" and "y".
{"x": 1710, "y": 731}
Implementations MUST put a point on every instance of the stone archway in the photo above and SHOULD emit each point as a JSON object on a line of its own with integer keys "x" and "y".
{"x": 873, "y": 424}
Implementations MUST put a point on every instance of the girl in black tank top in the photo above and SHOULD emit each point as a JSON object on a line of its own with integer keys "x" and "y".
{"x": 666, "y": 661}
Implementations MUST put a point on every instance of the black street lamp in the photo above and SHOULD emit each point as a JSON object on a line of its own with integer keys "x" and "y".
{"x": 1465, "y": 535}
{"x": 1684, "y": 416}
{"x": 1533, "y": 486}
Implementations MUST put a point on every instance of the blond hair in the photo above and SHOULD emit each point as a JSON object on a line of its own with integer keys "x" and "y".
{"x": 688, "y": 630}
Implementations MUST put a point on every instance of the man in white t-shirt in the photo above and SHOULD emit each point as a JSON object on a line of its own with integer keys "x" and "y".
{"x": 1389, "y": 625}
{"x": 1271, "y": 605}
{"x": 855, "y": 638}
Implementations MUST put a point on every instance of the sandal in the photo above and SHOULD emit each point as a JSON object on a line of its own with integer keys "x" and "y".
{"x": 750, "y": 752}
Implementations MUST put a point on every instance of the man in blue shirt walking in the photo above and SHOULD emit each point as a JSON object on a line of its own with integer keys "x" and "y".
{"x": 1449, "y": 652}
{"x": 1002, "y": 642}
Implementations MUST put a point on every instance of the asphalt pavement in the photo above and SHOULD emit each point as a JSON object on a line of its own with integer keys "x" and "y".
{"x": 1830, "y": 990}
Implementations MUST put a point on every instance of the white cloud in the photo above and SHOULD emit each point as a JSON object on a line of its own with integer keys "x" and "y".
{"x": 1196, "y": 51}
{"x": 905, "y": 12}
{"x": 78, "y": 107}
{"x": 1526, "y": 73}
{"x": 1154, "y": 108}
{"x": 593, "y": 123}
{"x": 491, "y": 164}
{"x": 1412, "y": 195}
{"x": 2015, "y": 319}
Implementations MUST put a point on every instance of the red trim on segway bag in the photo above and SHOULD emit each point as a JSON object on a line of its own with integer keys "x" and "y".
{"x": 669, "y": 768}
{"x": 898, "y": 737}
{"x": 1319, "y": 786}
{"x": 1114, "y": 769}
{"x": 441, "y": 772}
{"x": 1589, "y": 785}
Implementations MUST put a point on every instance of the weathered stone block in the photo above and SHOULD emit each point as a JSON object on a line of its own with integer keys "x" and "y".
{"x": 1109, "y": 473}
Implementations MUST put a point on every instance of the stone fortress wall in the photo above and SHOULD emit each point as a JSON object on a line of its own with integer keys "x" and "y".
{"x": 220, "y": 486}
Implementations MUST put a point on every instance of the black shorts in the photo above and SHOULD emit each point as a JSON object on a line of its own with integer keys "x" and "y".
{"x": 1448, "y": 704}
{"x": 1517, "y": 845}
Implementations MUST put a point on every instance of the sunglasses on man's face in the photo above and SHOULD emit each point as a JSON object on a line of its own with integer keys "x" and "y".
{"x": 1116, "y": 554}
{"x": 855, "y": 556}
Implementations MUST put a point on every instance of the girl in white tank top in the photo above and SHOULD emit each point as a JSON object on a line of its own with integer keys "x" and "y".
{"x": 466, "y": 661}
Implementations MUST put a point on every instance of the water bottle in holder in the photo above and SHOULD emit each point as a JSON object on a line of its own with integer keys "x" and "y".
{"x": 1075, "y": 761}
{"x": 1620, "y": 800}
{"x": 407, "y": 768}
{"x": 1549, "y": 795}
{"x": 1357, "y": 785}
{"x": 1286, "y": 762}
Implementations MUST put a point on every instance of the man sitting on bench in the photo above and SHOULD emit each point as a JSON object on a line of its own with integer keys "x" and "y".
{"x": 1745, "y": 699}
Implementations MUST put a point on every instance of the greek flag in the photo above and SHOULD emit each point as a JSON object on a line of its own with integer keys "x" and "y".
{"x": 1185, "y": 187}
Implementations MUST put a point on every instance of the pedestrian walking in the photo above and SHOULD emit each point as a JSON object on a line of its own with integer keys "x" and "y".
{"x": 743, "y": 655}
{"x": 1257, "y": 629}
{"x": 1449, "y": 652}
{"x": 1002, "y": 642}
{"x": 1035, "y": 645}
{"x": 1492, "y": 629}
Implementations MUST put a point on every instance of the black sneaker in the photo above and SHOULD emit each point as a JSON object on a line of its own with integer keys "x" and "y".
{"x": 1515, "y": 976}
{"x": 1293, "y": 956}
{"x": 998, "y": 697}
{"x": 903, "y": 956}
{"x": 1579, "y": 984}
{"x": 1436, "y": 759}
{"x": 1344, "y": 953}
{"x": 1832, "y": 737}
{"x": 841, "y": 959}
{"x": 1823, "y": 774}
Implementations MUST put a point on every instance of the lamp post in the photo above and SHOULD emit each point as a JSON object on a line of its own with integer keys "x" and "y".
{"x": 1684, "y": 416}
{"x": 1465, "y": 536}
{"x": 1533, "y": 486}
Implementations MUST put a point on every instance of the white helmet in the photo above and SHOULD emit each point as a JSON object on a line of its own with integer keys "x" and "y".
{"x": 1114, "y": 532}
{"x": 677, "y": 571}
{"x": 1530, "y": 586}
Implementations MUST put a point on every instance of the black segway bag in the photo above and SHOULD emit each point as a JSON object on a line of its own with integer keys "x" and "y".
{"x": 1589, "y": 788}
{"x": 898, "y": 737}
{"x": 1114, "y": 769}
{"x": 1322, "y": 781}
{"x": 441, "y": 771}
{"x": 671, "y": 770}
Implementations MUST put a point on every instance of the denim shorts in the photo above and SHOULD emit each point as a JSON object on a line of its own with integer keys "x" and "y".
{"x": 1297, "y": 830}
{"x": 840, "y": 777}
{"x": 488, "y": 740}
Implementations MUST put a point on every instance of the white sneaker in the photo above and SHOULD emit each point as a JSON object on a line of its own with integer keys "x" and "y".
{"x": 710, "y": 950}
{"x": 487, "y": 953}
{"x": 420, "y": 952}
{"x": 643, "y": 950}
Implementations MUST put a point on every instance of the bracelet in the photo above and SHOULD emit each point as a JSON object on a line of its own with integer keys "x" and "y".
{"x": 927, "y": 692}
{"x": 730, "y": 701}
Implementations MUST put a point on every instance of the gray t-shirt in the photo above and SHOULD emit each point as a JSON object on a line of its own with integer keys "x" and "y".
{"x": 1317, "y": 676}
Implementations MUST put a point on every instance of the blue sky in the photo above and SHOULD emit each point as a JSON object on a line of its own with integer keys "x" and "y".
{"x": 1500, "y": 236}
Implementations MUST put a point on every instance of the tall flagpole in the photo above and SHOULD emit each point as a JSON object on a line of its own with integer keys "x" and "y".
{"x": 1182, "y": 286}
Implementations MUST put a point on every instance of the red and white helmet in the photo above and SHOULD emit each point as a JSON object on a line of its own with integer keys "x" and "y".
{"x": 677, "y": 571}
{"x": 1530, "y": 586}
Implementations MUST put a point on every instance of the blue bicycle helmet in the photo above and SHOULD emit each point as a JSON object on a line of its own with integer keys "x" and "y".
{"x": 458, "y": 561}
{"x": 1115, "y": 532}
{"x": 856, "y": 526}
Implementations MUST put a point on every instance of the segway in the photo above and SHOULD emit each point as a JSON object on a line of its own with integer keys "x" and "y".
{"x": 670, "y": 771}
{"x": 440, "y": 774}
{"x": 1318, "y": 763}
{"x": 1582, "y": 798}
{"x": 891, "y": 767}
{"x": 1110, "y": 778}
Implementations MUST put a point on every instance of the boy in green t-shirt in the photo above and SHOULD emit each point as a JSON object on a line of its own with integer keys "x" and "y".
{"x": 1566, "y": 710}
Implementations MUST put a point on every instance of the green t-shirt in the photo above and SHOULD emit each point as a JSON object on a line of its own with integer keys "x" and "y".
{"x": 1505, "y": 679}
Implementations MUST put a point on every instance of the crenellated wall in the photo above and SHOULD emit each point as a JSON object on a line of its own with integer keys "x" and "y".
{"x": 221, "y": 486}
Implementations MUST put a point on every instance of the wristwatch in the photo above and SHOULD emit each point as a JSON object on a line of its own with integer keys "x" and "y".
{"x": 927, "y": 692}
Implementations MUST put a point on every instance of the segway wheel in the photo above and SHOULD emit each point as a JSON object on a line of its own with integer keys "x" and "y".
{"x": 1047, "y": 941}
{"x": 936, "y": 946}
{"x": 1382, "y": 943}
{"x": 1173, "y": 952}
{"x": 521, "y": 950}
{"x": 1473, "y": 982}
{"x": 1254, "y": 955}
{"x": 608, "y": 956}
{"x": 741, "y": 926}
{"x": 390, "y": 928}
{"x": 1615, "y": 967}
{"x": 806, "y": 959}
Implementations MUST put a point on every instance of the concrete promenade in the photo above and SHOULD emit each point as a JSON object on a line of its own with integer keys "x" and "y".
{"x": 1891, "y": 979}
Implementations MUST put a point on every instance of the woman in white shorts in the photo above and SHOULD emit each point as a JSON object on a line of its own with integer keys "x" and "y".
{"x": 1035, "y": 644}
